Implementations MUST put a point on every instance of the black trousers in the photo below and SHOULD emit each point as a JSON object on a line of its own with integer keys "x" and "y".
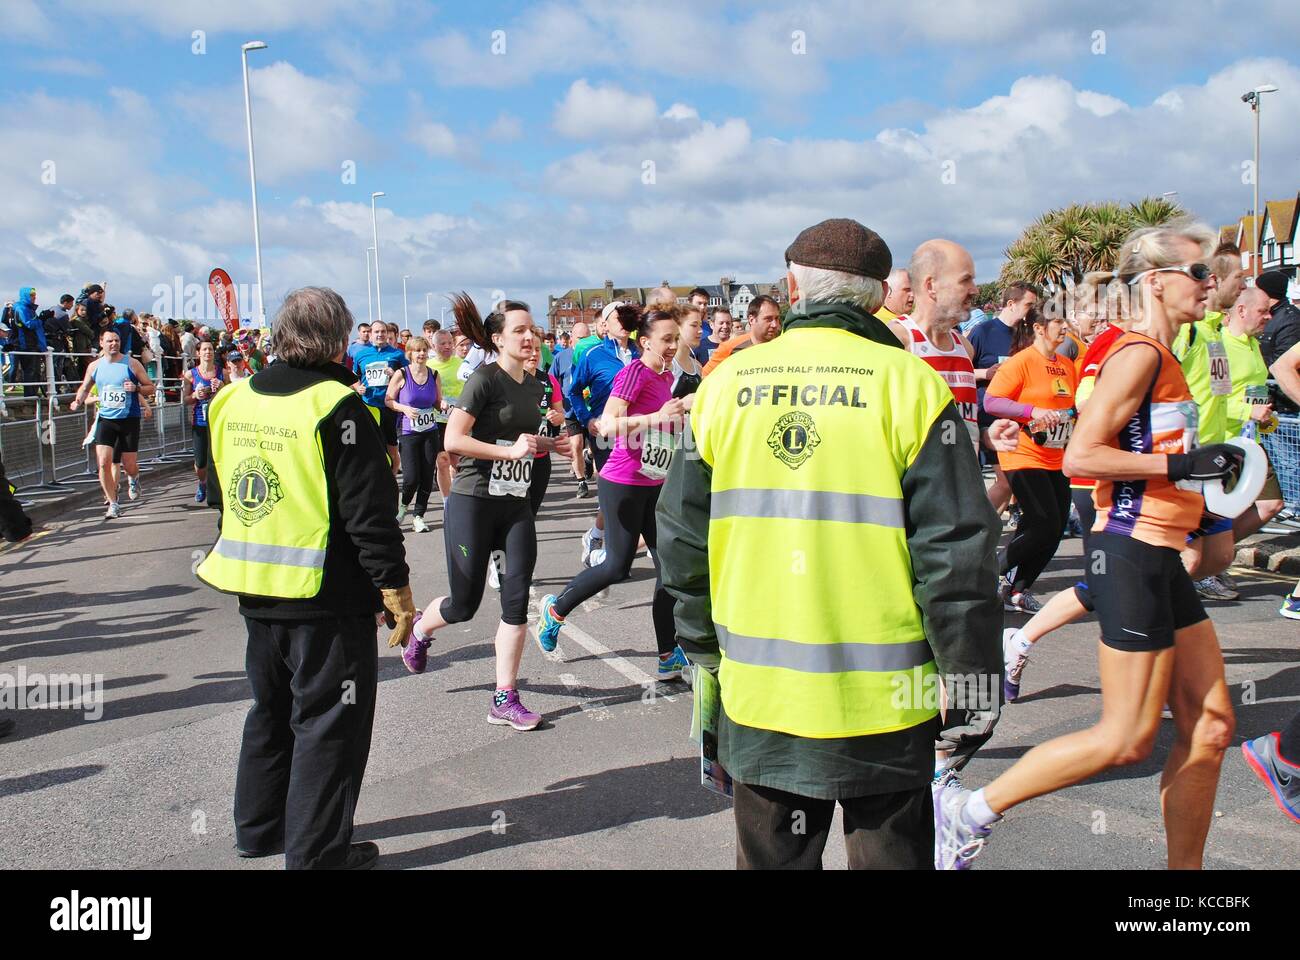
{"x": 541, "y": 480}
{"x": 419, "y": 457}
{"x": 306, "y": 737}
{"x": 1044, "y": 498}
{"x": 776, "y": 830}
{"x": 629, "y": 515}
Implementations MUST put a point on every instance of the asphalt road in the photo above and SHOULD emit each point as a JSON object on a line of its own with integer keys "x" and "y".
{"x": 610, "y": 780}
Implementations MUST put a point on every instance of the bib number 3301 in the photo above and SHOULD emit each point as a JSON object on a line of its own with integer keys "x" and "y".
{"x": 657, "y": 454}
{"x": 510, "y": 478}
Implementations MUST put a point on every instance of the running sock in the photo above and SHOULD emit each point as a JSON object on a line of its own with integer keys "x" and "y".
{"x": 501, "y": 696}
{"x": 1020, "y": 642}
{"x": 977, "y": 812}
{"x": 596, "y": 534}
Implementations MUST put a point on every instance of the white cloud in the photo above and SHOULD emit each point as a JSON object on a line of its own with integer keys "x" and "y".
{"x": 595, "y": 113}
{"x": 182, "y": 16}
{"x": 67, "y": 66}
{"x": 505, "y": 128}
{"x": 301, "y": 123}
{"x": 436, "y": 139}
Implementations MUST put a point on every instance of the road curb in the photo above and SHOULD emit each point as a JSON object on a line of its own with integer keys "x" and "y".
{"x": 1279, "y": 553}
{"x": 58, "y": 506}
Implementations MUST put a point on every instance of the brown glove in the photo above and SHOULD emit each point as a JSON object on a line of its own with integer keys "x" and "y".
{"x": 399, "y": 614}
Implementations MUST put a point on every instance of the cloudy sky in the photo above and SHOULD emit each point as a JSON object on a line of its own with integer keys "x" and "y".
{"x": 533, "y": 147}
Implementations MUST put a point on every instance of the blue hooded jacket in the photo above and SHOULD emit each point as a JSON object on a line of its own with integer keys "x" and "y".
{"x": 25, "y": 311}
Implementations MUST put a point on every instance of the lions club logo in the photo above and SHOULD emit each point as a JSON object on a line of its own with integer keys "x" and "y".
{"x": 254, "y": 490}
{"x": 793, "y": 439}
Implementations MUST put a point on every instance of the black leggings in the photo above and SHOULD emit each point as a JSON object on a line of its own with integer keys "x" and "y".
{"x": 1044, "y": 498}
{"x": 472, "y": 527}
{"x": 419, "y": 458}
{"x": 541, "y": 480}
{"x": 629, "y": 515}
{"x": 1087, "y": 511}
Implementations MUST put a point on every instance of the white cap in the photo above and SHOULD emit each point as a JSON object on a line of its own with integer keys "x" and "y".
{"x": 611, "y": 307}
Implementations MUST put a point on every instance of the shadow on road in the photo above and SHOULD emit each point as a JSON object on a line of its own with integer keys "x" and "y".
{"x": 567, "y": 808}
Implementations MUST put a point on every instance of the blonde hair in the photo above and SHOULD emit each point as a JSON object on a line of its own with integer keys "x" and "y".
{"x": 1151, "y": 248}
{"x": 416, "y": 343}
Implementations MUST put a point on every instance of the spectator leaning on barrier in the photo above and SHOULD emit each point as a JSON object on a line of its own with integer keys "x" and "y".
{"x": 31, "y": 333}
{"x": 311, "y": 546}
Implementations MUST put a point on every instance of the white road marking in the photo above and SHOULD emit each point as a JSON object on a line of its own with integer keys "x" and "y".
{"x": 593, "y": 646}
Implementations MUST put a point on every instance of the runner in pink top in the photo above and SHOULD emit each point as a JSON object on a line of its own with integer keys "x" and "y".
{"x": 645, "y": 420}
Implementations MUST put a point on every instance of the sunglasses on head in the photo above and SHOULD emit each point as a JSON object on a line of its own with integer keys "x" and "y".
{"x": 1197, "y": 271}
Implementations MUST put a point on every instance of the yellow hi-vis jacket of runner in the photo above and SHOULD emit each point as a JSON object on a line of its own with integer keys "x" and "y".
{"x": 808, "y": 437}
{"x": 275, "y": 519}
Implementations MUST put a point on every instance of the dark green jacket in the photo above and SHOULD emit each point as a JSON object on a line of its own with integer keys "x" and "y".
{"x": 952, "y": 534}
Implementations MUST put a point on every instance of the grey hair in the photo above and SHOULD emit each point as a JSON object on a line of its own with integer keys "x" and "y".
{"x": 818, "y": 285}
{"x": 312, "y": 327}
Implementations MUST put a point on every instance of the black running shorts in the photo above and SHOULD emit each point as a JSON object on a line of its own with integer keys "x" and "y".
{"x": 1142, "y": 593}
{"x": 122, "y": 435}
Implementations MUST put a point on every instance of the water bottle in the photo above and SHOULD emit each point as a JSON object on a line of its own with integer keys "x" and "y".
{"x": 1038, "y": 428}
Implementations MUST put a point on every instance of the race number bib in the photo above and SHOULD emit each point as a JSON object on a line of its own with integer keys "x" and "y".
{"x": 1220, "y": 378}
{"x": 1059, "y": 435}
{"x": 440, "y": 417}
{"x": 657, "y": 454}
{"x": 424, "y": 420}
{"x": 510, "y": 478}
{"x": 201, "y": 414}
{"x": 377, "y": 375}
{"x": 113, "y": 398}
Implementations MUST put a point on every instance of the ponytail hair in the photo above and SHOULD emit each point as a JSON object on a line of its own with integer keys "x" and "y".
{"x": 475, "y": 328}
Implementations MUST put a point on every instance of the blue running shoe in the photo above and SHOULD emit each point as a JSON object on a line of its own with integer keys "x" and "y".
{"x": 1291, "y": 607}
{"x": 548, "y": 624}
{"x": 673, "y": 667}
{"x": 1281, "y": 778}
{"x": 200, "y": 494}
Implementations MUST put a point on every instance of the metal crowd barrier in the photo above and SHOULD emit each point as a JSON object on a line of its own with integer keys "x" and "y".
{"x": 45, "y": 452}
{"x": 1283, "y": 446}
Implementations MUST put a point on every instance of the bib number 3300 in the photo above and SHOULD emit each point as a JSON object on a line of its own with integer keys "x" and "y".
{"x": 510, "y": 478}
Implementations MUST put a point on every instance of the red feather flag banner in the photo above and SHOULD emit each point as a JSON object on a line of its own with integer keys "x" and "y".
{"x": 223, "y": 292}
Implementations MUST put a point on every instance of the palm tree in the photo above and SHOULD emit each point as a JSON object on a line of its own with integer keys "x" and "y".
{"x": 1066, "y": 243}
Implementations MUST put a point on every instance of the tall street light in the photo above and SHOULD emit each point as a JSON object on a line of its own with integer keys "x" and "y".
{"x": 374, "y": 227}
{"x": 406, "y": 314}
{"x": 370, "y": 303}
{"x": 252, "y": 175}
{"x": 1252, "y": 98}
{"x": 428, "y": 308}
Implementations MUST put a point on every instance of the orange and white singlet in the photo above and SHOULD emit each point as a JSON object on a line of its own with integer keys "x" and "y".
{"x": 955, "y": 367}
{"x": 1155, "y": 511}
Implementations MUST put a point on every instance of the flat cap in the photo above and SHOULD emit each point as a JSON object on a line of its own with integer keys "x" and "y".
{"x": 843, "y": 245}
{"x": 1274, "y": 283}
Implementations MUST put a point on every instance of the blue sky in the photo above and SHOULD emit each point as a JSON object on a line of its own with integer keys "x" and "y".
{"x": 523, "y": 169}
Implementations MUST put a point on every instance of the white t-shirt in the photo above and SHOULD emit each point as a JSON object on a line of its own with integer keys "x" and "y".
{"x": 476, "y": 358}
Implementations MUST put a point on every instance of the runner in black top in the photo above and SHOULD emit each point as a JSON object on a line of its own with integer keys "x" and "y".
{"x": 493, "y": 429}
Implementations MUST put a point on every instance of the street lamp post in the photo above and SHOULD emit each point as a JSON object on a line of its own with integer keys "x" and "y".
{"x": 370, "y": 303}
{"x": 428, "y": 309}
{"x": 374, "y": 228}
{"x": 252, "y": 176}
{"x": 1252, "y": 98}
{"x": 406, "y": 313}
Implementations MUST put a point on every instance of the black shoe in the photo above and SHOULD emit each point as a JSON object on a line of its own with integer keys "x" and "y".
{"x": 361, "y": 856}
{"x": 6, "y": 727}
{"x": 584, "y": 492}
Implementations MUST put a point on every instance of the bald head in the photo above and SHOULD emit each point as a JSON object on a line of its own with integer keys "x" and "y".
{"x": 580, "y": 330}
{"x": 900, "y": 297}
{"x": 663, "y": 295}
{"x": 1251, "y": 313}
{"x": 943, "y": 283}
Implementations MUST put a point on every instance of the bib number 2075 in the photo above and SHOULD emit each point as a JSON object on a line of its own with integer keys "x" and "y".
{"x": 510, "y": 478}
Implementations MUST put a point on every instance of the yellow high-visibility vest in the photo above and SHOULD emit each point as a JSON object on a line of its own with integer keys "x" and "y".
{"x": 808, "y": 438}
{"x": 267, "y": 453}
